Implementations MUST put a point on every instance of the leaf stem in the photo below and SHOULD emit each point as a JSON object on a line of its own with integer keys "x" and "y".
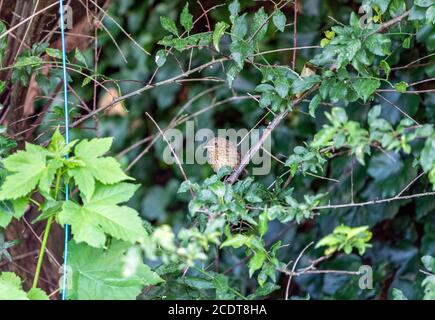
{"x": 45, "y": 238}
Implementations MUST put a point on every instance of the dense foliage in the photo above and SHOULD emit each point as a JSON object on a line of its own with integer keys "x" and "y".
{"x": 347, "y": 98}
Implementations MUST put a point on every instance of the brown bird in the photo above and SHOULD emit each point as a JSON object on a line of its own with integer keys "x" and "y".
{"x": 222, "y": 152}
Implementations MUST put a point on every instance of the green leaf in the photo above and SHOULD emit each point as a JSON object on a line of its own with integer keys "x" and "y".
{"x": 97, "y": 274}
{"x": 240, "y": 50}
{"x": 259, "y": 25}
{"x": 366, "y": 87}
{"x": 386, "y": 67}
{"x": 378, "y": 44}
{"x": 256, "y": 262}
{"x": 239, "y": 28}
{"x": 429, "y": 263}
{"x": 236, "y": 241}
{"x": 160, "y": 58}
{"x": 169, "y": 25}
{"x": 55, "y": 53}
{"x": 314, "y": 103}
{"x": 424, "y": 3}
{"x": 279, "y": 20}
{"x": 263, "y": 221}
{"x": 218, "y": 32}
{"x": 78, "y": 55}
{"x": 234, "y": 9}
{"x": 37, "y": 294}
{"x": 401, "y": 86}
{"x": 398, "y": 294}
{"x": 11, "y": 289}
{"x": 27, "y": 167}
{"x": 114, "y": 194}
{"x": 397, "y": 7}
{"x": 186, "y": 19}
{"x": 101, "y": 215}
{"x": 95, "y": 167}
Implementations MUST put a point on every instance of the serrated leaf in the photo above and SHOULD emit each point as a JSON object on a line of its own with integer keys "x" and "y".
{"x": 186, "y": 19}
{"x": 259, "y": 25}
{"x": 91, "y": 222}
{"x": 95, "y": 167}
{"x": 27, "y": 167}
{"x": 169, "y": 25}
{"x": 97, "y": 274}
{"x": 11, "y": 289}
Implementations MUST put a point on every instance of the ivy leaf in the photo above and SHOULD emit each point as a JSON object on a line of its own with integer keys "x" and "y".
{"x": 97, "y": 274}
{"x": 279, "y": 20}
{"x": 365, "y": 87}
{"x": 101, "y": 215}
{"x": 218, "y": 32}
{"x": 11, "y": 289}
{"x": 95, "y": 167}
{"x": 169, "y": 25}
{"x": 186, "y": 19}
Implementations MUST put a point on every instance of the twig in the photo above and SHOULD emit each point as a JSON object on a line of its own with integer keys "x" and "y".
{"x": 372, "y": 202}
{"x": 172, "y": 150}
{"x": 387, "y": 25}
{"x": 293, "y": 269}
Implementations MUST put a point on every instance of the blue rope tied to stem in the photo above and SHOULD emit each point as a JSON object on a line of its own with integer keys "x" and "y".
{"x": 65, "y": 110}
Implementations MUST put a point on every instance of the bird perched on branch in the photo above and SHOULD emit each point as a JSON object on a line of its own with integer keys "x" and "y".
{"x": 222, "y": 152}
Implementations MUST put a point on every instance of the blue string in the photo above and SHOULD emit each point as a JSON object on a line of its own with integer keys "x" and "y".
{"x": 65, "y": 111}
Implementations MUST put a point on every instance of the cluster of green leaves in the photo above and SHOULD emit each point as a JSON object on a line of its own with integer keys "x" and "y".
{"x": 95, "y": 216}
{"x": 346, "y": 238}
{"x": 176, "y": 40}
{"x": 345, "y": 133}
